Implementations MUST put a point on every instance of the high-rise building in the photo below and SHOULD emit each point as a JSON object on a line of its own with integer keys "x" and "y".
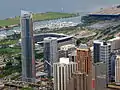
{"x": 102, "y": 52}
{"x": 115, "y": 44}
{"x": 50, "y": 54}
{"x": 79, "y": 81}
{"x": 112, "y": 67}
{"x": 62, "y": 72}
{"x": 65, "y": 50}
{"x": 28, "y": 60}
{"x": 117, "y": 70}
{"x": 84, "y": 59}
{"x": 96, "y": 51}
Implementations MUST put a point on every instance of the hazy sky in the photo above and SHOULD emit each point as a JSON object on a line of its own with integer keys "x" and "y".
{"x": 10, "y": 8}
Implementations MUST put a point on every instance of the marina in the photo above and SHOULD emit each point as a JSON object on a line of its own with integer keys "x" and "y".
{"x": 49, "y": 24}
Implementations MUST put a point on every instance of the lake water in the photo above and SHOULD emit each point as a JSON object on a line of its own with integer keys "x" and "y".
{"x": 76, "y": 20}
{"x": 10, "y": 8}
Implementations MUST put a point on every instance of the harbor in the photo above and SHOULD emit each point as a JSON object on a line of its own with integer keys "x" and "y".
{"x": 49, "y": 24}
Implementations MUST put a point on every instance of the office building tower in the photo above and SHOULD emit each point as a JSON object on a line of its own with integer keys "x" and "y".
{"x": 79, "y": 81}
{"x": 112, "y": 67}
{"x": 65, "y": 50}
{"x": 100, "y": 70}
{"x": 102, "y": 51}
{"x": 84, "y": 59}
{"x": 96, "y": 51}
{"x": 50, "y": 54}
{"x": 28, "y": 60}
{"x": 62, "y": 72}
{"x": 115, "y": 44}
{"x": 105, "y": 52}
{"x": 117, "y": 70}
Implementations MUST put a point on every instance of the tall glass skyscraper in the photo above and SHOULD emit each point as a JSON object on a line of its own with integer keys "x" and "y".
{"x": 50, "y": 54}
{"x": 28, "y": 60}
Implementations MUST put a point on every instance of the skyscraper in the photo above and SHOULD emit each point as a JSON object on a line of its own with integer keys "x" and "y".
{"x": 96, "y": 52}
{"x": 50, "y": 54}
{"x": 115, "y": 44}
{"x": 112, "y": 67}
{"x": 84, "y": 60}
{"x": 102, "y": 50}
{"x": 28, "y": 60}
{"x": 117, "y": 70}
{"x": 79, "y": 81}
{"x": 62, "y": 72}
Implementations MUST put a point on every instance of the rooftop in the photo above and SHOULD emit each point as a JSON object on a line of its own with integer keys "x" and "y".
{"x": 25, "y": 13}
{"x": 102, "y": 43}
{"x": 115, "y": 10}
{"x": 64, "y": 60}
{"x": 50, "y": 38}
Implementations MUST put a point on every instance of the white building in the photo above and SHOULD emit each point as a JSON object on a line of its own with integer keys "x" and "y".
{"x": 115, "y": 43}
{"x": 117, "y": 70}
{"x": 62, "y": 72}
{"x": 65, "y": 50}
{"x": 50, "y": 54}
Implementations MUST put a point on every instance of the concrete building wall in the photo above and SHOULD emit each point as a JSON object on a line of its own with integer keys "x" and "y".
{"x": 84, "y": 60}
{"x": 79, "y": 81}
{"x": 117, "y": 70}
{"x": 50, "y": 54}
{"x": 62, "y": 73}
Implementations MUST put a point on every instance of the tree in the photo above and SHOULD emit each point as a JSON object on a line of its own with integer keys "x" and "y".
{"x": 27, "y": 88}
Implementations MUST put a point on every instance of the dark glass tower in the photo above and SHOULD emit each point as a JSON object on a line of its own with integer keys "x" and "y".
{"x": 96, "y": 53}
{"x": 28, "y": 60}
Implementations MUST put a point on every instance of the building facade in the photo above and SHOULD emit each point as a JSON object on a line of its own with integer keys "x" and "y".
{"x": 50, "y": 54}
{"x": 115, "y": 44}
{"x": 96, "y": 51}
{"x": 112, "y": 67}
{"x": 103, "y": 55}
{"x": 84, "y": 59}
{"x": 79, "y": 81}
{"x": 65, "y": 50}
{"x": 28, "y": 60}
{"x": 117, "y": 70}
{"x": 62, "y": 72}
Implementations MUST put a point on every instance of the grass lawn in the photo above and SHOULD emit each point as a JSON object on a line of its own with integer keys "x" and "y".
{"x": 9, "y": 51}
{"x": 8, "y": 42}
{"x": 36, "y": 17}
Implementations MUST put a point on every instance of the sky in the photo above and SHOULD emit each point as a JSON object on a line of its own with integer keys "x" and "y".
{"x": 10, "y": 8}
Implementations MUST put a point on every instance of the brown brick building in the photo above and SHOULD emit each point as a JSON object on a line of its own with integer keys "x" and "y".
{"x": 84, "y": 59}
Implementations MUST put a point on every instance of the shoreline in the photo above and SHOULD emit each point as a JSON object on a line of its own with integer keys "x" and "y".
{"x": 37, "y": 17}
{"x": 17, "y": 25}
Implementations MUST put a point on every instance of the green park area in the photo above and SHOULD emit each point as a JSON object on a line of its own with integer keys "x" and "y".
{"x": 36, "y": 17}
